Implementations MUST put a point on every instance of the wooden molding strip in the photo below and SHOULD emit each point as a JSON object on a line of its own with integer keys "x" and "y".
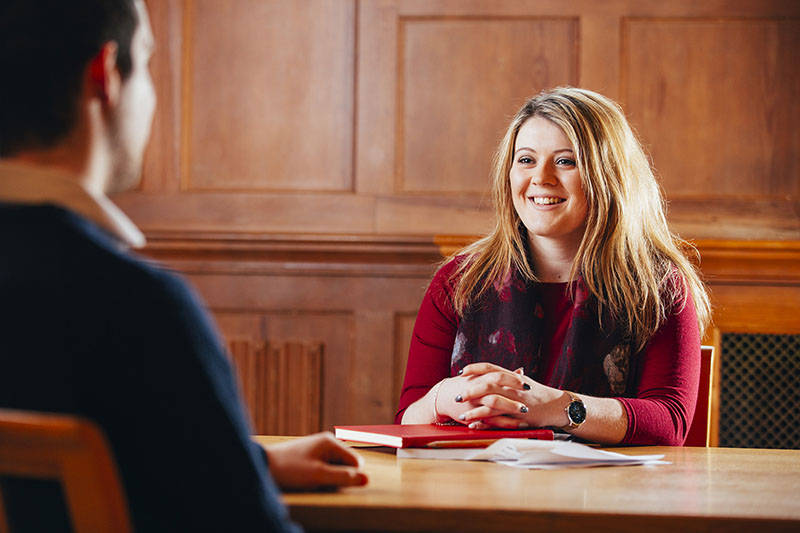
{"x": 752, "y": 262}
{"x": 248, "y": 253}
{"x": 721, "y": 261}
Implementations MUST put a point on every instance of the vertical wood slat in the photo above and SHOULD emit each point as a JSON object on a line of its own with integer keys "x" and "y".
{"x": 281, "y": 384}
{"x": 242, "y": 353}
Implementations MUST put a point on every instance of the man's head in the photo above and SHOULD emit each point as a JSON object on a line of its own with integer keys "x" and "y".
{"x": 61, "y": 58}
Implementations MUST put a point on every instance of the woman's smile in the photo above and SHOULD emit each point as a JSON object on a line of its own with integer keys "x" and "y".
{"x": 546, "y": 200}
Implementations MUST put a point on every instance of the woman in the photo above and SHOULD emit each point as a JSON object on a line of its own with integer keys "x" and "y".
{"x": 580, "y": 309}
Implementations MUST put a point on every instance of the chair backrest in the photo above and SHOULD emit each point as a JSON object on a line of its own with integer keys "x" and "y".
{"x": 74, "y": 452}
{"x": 700, "y": 430}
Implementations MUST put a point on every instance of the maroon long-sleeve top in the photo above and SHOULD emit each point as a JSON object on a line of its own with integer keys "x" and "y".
{"x": 664, "y": 394}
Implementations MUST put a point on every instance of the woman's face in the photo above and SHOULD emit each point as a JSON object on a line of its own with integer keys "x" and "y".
{"x": 546, "y": 185}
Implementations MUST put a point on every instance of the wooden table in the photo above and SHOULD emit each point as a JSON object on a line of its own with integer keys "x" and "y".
{"x": 704, "y": 489}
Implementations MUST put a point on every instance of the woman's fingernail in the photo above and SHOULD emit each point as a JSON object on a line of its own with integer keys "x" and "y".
{"x": 526, "y": 386}
{"x": 462, "y": 416}
{"x": 520, "y": 370}
{"x": 459, "y": 399}
{"x": 473, "y": 425}
{"x": 523, "y": 425}
{"x": 461, "y": 371}
{"x": 523, "y": 409}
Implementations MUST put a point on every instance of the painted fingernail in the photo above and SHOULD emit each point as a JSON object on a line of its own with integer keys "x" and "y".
{"x": 462, "y": 416}
{"x": 523, "y": 425}
{"x": 523, "y": 409}
{"x": 526, "y": 386}
{"x": 473, "y": 425}
{"x": 459, "y": 399}
{"x": 461, "y": 371}
{"x": 520, "y": 370}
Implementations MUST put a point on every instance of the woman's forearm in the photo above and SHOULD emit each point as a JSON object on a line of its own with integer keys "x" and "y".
{"x": 606, "y": 420}
{"x": 421, "y": 411}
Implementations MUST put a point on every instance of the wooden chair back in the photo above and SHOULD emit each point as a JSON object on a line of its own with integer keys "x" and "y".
{"x": 700, "y": 431}
{"x": 72, "y": 451}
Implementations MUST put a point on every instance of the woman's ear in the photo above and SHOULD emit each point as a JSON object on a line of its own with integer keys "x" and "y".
{"x": 104, "y": 79}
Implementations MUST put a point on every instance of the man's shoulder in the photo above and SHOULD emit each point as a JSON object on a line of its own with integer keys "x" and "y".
{"x": 86, "y": 254}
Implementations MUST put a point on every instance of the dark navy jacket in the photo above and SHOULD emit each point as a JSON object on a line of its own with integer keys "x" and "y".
{"x": 88, "y": 328}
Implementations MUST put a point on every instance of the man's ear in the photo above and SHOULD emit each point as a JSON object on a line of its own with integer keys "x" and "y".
{"x": 104, "y": 79}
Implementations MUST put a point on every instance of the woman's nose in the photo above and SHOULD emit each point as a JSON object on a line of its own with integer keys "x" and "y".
{"x": 543, "y": 175}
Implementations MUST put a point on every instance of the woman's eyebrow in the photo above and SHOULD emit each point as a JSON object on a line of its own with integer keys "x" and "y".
{"x": 534, "y": 151}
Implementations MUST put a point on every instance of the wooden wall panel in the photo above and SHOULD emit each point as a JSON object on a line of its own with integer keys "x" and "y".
{"x": 271, "y": 91}
{"x": 372, "y": 378}
{"x": 404, "y": 326}
{"x": 403, "y": 103}
{"x": 715, "y": 102}
{"x": 460, "y": 80}
{"x": 742, "y": 308}
{"x": 364, "y": 360}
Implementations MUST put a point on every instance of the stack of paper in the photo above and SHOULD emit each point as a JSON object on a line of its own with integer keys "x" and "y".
{"x": 524, "y": 453}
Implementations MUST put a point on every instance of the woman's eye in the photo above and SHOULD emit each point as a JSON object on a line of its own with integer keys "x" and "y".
{"x": 565, "y": 161}
{"x": 525, "y": 160}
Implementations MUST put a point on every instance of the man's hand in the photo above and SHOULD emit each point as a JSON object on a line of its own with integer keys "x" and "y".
{"x": 315, "y": 462}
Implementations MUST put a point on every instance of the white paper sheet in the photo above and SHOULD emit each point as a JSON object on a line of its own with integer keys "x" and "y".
{"x": 533, "y": 454}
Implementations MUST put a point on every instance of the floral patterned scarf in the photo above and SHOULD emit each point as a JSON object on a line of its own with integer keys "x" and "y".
{"x": 505, "y": 328}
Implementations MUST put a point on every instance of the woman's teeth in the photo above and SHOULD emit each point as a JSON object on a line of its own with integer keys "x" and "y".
{"x": 547, "y": 200}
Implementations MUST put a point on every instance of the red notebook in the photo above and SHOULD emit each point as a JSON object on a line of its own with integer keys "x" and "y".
{"x": 418, "y": 435}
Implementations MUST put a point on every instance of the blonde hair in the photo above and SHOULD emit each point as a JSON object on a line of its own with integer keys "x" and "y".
{"x": 631, "y": 263}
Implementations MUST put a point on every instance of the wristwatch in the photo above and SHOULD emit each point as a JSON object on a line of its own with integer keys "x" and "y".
{"x": 576, "y": 412}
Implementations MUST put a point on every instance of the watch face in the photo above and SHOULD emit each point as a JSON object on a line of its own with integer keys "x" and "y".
{"x": 577, "y": 412}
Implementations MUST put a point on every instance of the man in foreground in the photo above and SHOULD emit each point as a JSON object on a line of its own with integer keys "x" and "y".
{"x": 88, "y": 328}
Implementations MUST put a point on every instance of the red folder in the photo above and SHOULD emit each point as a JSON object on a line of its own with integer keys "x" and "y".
{"x": 419, "y": 435}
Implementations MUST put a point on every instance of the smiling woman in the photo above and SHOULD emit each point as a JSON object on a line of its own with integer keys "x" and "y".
{"x": 580, "y": 310}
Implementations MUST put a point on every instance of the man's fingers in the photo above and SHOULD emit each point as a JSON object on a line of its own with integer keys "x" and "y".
{"x": 340, "y": 454}
{"x": 341, "y": 476}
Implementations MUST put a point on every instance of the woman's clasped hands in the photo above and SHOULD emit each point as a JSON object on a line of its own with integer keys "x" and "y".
{"x": 485, "y": 395}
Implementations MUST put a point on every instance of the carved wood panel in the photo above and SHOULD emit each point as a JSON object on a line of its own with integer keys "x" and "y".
{"x": 281, "y": 384}
{"x": 303, "y": 335}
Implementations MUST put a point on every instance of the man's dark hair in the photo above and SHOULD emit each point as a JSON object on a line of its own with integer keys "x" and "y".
{"x": 45, "y": 46}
